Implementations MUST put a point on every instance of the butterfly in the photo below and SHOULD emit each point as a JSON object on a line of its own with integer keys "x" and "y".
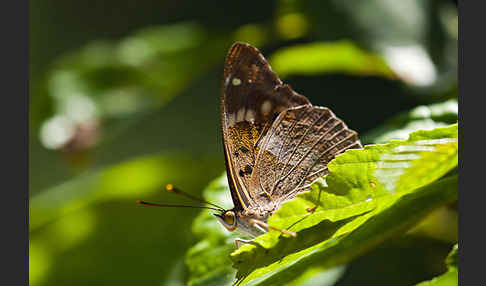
{"x": 276, "y": 143}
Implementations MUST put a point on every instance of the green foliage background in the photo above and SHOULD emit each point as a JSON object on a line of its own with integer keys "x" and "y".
{"x": 148, "y": 75}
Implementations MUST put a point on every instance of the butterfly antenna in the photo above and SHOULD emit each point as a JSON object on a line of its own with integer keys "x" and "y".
{"x": 171, "y": 188}
{"x": 174, "y": 206}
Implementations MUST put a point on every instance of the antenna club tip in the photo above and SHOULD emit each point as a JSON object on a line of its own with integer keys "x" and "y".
{"x": 169, "y": 187}
{"x": 139, "y": 202}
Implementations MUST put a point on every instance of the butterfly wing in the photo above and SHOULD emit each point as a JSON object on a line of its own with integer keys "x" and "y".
{"x": 253, "y": 96}
{"x": 296, "y": 151}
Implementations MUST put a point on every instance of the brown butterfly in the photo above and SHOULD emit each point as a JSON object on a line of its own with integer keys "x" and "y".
{"x": 276, "y": 142}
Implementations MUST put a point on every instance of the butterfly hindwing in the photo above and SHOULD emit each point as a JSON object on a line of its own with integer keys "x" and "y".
{"x": 253, "y": 96}
{"x": 296, "y": 151}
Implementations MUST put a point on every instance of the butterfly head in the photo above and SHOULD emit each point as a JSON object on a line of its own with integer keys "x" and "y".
{"x": 243, "y": 223}
{"x": 228, "y": 219}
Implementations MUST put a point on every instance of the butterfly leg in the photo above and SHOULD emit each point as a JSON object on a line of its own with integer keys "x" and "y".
{"x": 250, "y": 241}
{"x": 266, "y": 226}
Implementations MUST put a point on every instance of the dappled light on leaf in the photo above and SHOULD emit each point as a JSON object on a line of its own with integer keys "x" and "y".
{"x": 334, "y": 57}
{"x": 393, "y": 217}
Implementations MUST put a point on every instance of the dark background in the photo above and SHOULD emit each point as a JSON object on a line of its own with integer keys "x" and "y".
{"x": 84, "y": 225}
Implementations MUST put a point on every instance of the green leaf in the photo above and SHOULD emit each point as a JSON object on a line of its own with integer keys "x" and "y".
{"x": 362, "y": 183}
{"x": 390, "y": 220}
{"x": 450, "y": 278}
{"x": 115, "y": 82}
{"x": 141, "y": 71}
{"x": 94, "y": 215}
{"x": 318, "y": 58}
{"x": 451, "y": 259}
{"x": 208, "y": 261}
{"x": 421, "y": 117}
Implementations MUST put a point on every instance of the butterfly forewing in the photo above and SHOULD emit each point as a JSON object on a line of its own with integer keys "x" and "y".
{"x": 253, "y": 96}
{"x": 296, "y": 151}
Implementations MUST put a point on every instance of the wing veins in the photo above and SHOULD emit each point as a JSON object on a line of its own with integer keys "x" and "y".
{"x": 285, "y": 143}
{"x": 308, "y": 152}
{"x": 296, "y": 146}
{"x": 322, "y": 154}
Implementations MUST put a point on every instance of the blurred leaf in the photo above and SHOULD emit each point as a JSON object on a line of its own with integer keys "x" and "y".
{"x": 140, "y": 73}
{"x": 441, "y": 225}
{"x": 366, "y": 181}
{"x": 92, "y": 223}
{"x": 157, "y": 61}
{"x": 314, "y": 276}
{"x": 450, "y": 278}
{"x": 398, "y": 22}
{"x": 292, "y": 25}
{"x": 134, "y": 178}
{"x": 253, "y": 34}
{"x": 208, "y": 261}
{"x": 424, "y": 58}
{"x": 337, "y": 57}
{"x": 425, "y": 117}
{"x": 452, "y": 259}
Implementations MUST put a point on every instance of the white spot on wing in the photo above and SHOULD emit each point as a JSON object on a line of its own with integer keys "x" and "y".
{"x": 231, "y": 119}
{"x": 241, "y": 115}
{"x": 250, "y": 116}
{"x": 266, "y": 107}
{"x": 236, "y": 81}
{"x": 226, "y": 81}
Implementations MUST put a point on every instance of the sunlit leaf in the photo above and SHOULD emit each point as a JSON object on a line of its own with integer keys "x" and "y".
{"x": 362, "y": 183}
{"x": 357, "y": 190}
{"x": 335, "y": 57}
{"x": 391, "y": 219}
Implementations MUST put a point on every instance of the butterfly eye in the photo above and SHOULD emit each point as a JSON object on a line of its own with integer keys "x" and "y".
{"x": 229, "y": 218}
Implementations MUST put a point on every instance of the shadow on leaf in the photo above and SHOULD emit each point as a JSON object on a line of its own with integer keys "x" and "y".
{"x": 287, "y": 245}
